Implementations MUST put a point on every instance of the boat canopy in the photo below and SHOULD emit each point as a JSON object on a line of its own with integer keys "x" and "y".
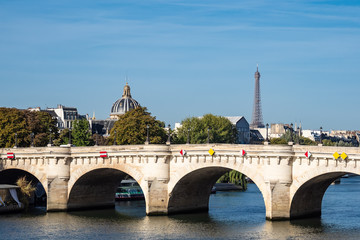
{"x": 8, "y": 186}
{"x": 13, "y": 193}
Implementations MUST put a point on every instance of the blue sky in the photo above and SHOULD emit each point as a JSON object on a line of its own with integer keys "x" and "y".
{"x": 185, "y": 58}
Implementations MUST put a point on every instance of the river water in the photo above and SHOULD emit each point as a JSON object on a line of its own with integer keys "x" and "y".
{"x": 232, "y": 215}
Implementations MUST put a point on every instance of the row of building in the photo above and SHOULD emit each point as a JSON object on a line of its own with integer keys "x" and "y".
{"x": 247, "y": 133}
{"x": 65, "y": 116}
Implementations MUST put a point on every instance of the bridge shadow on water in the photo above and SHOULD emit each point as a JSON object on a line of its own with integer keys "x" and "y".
{"x": 123, "y": 211}
{"x": 232, "y": 215}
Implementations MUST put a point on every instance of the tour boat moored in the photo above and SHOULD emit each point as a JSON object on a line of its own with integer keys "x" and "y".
{"x": 129, "y": 190}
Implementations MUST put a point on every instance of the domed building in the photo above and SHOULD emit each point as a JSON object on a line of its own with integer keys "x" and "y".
{"x": 124, "y": 104}
{"x": 120, "y": 107}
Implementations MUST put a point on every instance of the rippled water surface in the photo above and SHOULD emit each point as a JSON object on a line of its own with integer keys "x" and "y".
{"x": 232, "y": 215}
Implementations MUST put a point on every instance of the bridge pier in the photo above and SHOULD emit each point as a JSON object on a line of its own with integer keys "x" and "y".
{"x": 57, "y": 194}
{"x": 277, "y": 201}
{"x": 278, "y": 180}
{"x": 58, "y": 176}
{"x": 157, "y": 198}
{"x": 157, "y": 179}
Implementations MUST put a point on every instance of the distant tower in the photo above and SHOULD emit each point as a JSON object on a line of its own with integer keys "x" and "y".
{"x": 257, "y": 119}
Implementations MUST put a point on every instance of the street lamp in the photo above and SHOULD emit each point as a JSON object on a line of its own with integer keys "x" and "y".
{"x": 320, "y": 135}
{"x": 114, "y": 137}
{"x": 188, "y": 136}
{"x": 96, "y": 138}
{"x": 267, "y": 135}
{"x": 298, "y": 139}
{"x": 168, "y": 142}
{"x": 32, "y": 139}
{"x": 208, "y": 135}
{"x": 69, "y": 136}
{"x": 147, "y": 134}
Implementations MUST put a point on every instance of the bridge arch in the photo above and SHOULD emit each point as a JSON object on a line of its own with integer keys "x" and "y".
{"x": 191, "y": 191}
{"x": 11, "y": 174}
{"x": 307, "y": 193}
{"x": 94, "y": 187}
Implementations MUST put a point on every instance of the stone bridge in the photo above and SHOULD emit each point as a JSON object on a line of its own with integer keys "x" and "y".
{"x": 292, "y": 184}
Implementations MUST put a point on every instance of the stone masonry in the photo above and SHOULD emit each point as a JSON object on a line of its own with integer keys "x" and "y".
{"x": 291, "y": 184}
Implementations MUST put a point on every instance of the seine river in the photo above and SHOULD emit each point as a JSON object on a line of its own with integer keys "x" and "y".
{"x": 232, "y": 215}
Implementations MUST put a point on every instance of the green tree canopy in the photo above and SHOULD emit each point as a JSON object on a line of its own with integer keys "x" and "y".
{"x": 221, "y": 130}
{"x": 328, "y": 142}
{"x": 100, "y": 140}
{"x": 81, "y": 135}
{"x": 234, "y": 177}
{"x": 131, "y": 128}
{"x": 341, "y": 143}
{"x": 42, "y": 125}
{"x": 278, "y": 141}
{"x": 23, "y": 123}
{"x": 63, "y": 138}
{"x": 12, "y": 121}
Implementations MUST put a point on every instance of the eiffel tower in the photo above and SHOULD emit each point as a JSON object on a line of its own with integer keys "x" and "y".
{"x": 257, "y": 119}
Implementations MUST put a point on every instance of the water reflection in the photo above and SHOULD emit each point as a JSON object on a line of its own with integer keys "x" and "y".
{"x": 232, "y": 215}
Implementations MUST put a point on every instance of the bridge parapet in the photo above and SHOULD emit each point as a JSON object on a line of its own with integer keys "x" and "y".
{"x": 322, "y": 159}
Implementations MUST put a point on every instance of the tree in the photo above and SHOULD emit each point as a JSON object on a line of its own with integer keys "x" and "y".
{"x": 307, "y": 141}
{"x": 278, "y": 141}
{"x": 12, "y": 121}
{"x": 42, "y": 124}
{"x": 328, "y": 142}
{"x": 341, "y": 143}
{"x": 26, "y": 189}
{"x": 22, "y": 123}
{"x": 221, "y": 130}
{"x": 63, "y": 138}
{"x": 131, "y": 128}
{"x": 100, "y": 140}
{"x": 234, "y": 177}
{"x": 81, "y": 135}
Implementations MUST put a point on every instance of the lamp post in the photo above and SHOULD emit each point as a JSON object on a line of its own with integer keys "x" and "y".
{"x": 114, "y": 137}
{"x": 147, "y": 135}
{"x": 188, "y": 136}
{"x": 168, "y": 142}
{"x": 96, "y": 138}
{"x": 267, "y": 133}
{"x": 15, "y": 140}
{"x": 70, "y": 136}
{"x": 208, "y": 135}
{"x": 32, "y": 139}
{"x": 320, "y": 135}
{"x": 298, "y": 139}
